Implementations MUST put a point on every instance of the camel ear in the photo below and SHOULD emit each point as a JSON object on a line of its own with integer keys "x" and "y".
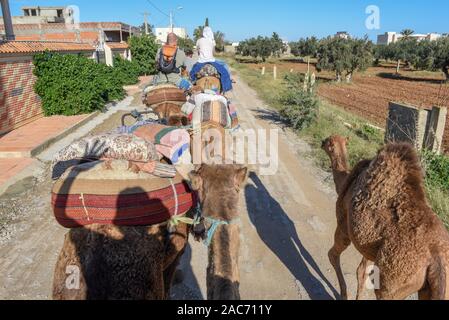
{"x": 196, "y": 181}
{"x": 241, "y": 175}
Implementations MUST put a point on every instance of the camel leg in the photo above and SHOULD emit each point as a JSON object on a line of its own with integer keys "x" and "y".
{"x": 425, "y": 294}
{"x": 362, "y": 276}
{"x": 169, "y": 275}
{"x": 342, "y": 242}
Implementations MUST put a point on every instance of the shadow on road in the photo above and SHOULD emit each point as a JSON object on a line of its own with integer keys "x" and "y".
{"x": 279, "y": 233}
{"x": 187, "y": 288}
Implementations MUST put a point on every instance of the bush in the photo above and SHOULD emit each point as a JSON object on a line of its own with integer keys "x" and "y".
{"x": 127, "y": 71}
{"x": 437, "y": 169}
{"x": 72, "y": 85}
{"x": 298, "y": 107}
{"x": 144, "y": 49}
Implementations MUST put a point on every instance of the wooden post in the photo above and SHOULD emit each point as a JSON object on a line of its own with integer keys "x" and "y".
{"x": 308, "y": 65}
{"x": 263, "y": 71}
{"x": 275, "y": 72}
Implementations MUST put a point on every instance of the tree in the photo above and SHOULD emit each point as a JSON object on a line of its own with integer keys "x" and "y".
{"x": 143, "y": 29}
{"x": 261, "y": 47}
{"x": 406, "y": 33}
{"x": 144, "y": 49}
{"x": 186, "y": 43}
{"x": 220, "y": 41}
{"x": 198, "y": 33}
{"x": 344, "y": 56}
{"x": 305, "y": 47}
{"x": 441, "y": 56}
{"x": 278, "y": 46}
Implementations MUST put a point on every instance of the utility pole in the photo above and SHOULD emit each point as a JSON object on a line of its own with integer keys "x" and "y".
{"x": 7, "y": 20}
{"x": 171, "y": 21}
{"x": 145, "y": 17}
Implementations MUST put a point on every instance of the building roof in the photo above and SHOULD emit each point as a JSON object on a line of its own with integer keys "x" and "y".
{"x": 82, "y": 25}
{"x": 117, "y": 45}
{"x": 41, "y": 46}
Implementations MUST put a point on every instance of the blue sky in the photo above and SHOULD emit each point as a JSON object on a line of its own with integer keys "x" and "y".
{"x": 292, "y": 19}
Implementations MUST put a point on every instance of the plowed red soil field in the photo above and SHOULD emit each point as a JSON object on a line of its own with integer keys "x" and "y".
{"x": 370, "y": 92}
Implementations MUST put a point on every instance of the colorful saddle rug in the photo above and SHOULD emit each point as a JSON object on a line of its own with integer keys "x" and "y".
{"x": 91, "y": 193}
{"x": 166, "y": 93}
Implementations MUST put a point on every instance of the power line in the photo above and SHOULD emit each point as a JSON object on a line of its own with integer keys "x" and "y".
{"x": 157, "y": 8}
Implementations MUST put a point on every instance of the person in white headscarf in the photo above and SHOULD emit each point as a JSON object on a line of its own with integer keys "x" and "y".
{"x": 206, "y": 46}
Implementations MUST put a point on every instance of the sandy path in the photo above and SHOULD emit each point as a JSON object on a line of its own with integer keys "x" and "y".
{"x": 287, "y": 229}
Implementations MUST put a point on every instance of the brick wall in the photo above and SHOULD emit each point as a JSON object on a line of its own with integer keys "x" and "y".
{"x": 18, "y": 102}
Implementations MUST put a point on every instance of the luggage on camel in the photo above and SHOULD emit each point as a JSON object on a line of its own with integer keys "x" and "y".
{"x": 209, "y": 83}
{"x": 171, "y": 142}
{"x": 112, "y": 146}
{"x": 167, "y": 60}
{"x": 212, "y": 69}
{"x": 164, "y": 93}
{"x": 209, "y": 106}
{"x": 95, "y": 193}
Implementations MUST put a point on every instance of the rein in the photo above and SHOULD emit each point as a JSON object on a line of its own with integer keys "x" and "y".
{"x": 215, "y": 224}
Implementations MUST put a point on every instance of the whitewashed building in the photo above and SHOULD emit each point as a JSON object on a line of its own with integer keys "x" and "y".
{"x": 162, "y": 33}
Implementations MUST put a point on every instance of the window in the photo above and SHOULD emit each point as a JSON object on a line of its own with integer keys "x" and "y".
{"x": 26, "y": 12}
{"x": 33, "y": 12}
{"x": 60, "y": 13}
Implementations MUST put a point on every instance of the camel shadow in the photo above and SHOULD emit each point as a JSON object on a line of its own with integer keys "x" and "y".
{"x": 279, "y": 233}
{"x": 188, "y": 287}
{"x": 123, "y": 262}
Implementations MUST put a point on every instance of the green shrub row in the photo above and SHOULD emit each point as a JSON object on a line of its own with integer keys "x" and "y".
{"x": 298, "y": 107}
{"x": 437, "y": 169}
{"x": 74, "y": 84}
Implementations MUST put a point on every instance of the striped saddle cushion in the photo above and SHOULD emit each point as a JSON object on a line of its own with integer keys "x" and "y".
{"x": 93, "y": 194}
{"x": 165, "y": 94}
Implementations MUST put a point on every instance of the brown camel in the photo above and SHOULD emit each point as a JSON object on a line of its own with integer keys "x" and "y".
{"x": 383, "y": 210}
{"x": 218, "y": 189}
{"x": 119, "y": 263}
{"x": 171, "y": 112}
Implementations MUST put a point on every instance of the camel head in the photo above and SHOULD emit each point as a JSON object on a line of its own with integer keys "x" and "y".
{"x": 336, "y": 147}
{"x": 218, "y": 188}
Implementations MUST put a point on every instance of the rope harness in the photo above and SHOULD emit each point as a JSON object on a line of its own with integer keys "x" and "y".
{"x": 215, "y": 224}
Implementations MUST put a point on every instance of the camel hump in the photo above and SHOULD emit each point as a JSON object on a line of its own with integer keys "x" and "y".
{"x": 396, "y": 173}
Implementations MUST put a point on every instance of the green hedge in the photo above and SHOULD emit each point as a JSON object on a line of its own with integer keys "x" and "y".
{"x": 126, "y": 70}
{"x": 144, "y": 49}
{"x": 73, "y": 84}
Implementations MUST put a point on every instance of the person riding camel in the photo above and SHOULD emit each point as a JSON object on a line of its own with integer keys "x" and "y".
{"x": 170, "y": 59}
{"x": 206, "y": 47}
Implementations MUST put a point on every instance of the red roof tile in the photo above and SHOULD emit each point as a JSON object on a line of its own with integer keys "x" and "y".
{"x": 117, "y": 45}
{"x": 41, "y": 46}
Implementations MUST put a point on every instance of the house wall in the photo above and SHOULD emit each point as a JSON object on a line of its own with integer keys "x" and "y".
{"x": 19, "y": 104}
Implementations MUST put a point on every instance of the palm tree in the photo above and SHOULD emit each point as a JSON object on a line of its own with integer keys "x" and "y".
{"x": 406, "y": 33}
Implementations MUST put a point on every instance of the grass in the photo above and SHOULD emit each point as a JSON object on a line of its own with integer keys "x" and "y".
{"x": 365, "y": 139}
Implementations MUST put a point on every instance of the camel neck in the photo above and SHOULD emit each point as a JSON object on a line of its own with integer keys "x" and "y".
{"x": 223, "y": 270}
{"x": 340, "y": 170}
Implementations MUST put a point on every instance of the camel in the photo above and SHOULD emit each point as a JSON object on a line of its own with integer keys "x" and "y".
{"x": 171, "y": 112}
{"x": 119, "y": 263}
{"x": 218, "y": 188}
{"x": 383, "y": 210}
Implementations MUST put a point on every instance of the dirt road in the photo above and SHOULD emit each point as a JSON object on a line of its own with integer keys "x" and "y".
{"x": 288, "y": 222}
